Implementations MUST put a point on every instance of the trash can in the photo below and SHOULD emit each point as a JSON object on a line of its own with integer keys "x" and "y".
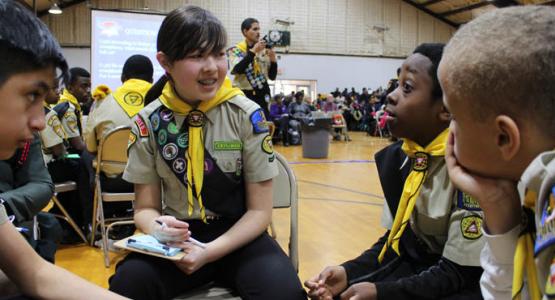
{"x": 316, "y": 137}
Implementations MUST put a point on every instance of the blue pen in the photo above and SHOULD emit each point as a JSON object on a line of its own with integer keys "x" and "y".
{"x": 22, "y": 229}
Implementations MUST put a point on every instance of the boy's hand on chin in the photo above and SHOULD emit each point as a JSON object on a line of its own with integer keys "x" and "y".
{"x": 498, "y": 198}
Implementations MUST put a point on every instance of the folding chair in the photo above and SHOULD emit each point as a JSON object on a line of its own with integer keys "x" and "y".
{"x": 62, "y": 187}
{"x": 112, "y": 152}
{"x": 285, "y": 196}
{"x": 339, "y": 123}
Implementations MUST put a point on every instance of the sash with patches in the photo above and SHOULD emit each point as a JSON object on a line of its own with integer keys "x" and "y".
{"x": 222, "y": 194}
{"x": 545, "y": 233}
{"x": 253, "y": 73}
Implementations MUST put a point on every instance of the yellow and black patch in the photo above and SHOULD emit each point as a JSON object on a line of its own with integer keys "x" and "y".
{"x": 131, "y": 141}
{"x": 467, "y": 202}
{"x": 71, "y": 120}
{"x": 267, "y": 145}
{"x": 133, "y": 99}
{"x": 471, "y": 227}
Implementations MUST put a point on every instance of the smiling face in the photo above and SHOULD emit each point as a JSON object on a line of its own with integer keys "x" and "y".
{"x": 413, "y": 111}
{"x": 21, "y": 108}
{"x": 197, "y": 77}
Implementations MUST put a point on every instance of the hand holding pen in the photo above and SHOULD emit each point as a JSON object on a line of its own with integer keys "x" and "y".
{"x": 190, "y": 239}
{"x": 173, "y": 230}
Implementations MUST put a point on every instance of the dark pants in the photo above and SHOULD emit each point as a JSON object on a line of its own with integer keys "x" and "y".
{"x": 260, "y": 98}
{"x": 78, "y": 203}
{"x": 258, "y": 270}
{"x": 282, "y": 127}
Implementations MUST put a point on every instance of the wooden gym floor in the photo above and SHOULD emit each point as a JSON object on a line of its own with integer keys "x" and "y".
{"x": 340, "y": 204}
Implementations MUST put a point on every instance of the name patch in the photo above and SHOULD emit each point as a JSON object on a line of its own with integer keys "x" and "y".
{"x": 228, "y": 145}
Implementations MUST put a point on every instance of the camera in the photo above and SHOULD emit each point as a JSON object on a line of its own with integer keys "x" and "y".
{"x": 269, "y": 44}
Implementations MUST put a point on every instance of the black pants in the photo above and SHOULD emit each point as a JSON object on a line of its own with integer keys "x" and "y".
{"x": 260, "y": 98}
{"x": 258, "y": 270}
{"x": 282, "y": 128}
{"x": 78, "y": 203}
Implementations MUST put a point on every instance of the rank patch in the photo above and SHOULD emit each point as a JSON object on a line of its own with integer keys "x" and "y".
{"x": 228, "y": 145}
{"x": 267, "y": 145}
{"x": 259, "y": 121}
{"x": 471, "y": 227}
{"x": 143, "y": 130}
{"x": 131, "y": 141}
{"x": 465, "y": 201}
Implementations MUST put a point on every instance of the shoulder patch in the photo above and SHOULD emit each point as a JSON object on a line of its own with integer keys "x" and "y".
{"x": 467, "y": 202}
{"x": 131, "y": 141}
{"x": 545, "y": 229}
{"x": 259, "y": 121}
{"x": 471, "y": 227}
{"x": 267, "y": 145}
{"x": 550, "y": 284}
{"x": 143, "y": 130}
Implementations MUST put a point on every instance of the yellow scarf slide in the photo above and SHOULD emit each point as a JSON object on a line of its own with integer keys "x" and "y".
{"x": 195, "y": 118}
{"x": 412, "y": 186}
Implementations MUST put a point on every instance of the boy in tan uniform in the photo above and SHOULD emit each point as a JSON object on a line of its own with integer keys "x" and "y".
{"x": 499, "y": 86}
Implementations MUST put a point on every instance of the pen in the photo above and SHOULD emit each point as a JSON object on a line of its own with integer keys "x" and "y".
{"x": 191, "y": 240}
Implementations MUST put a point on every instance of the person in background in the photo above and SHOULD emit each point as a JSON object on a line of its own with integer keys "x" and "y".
{"x": 30, "y": 57}
{"x": 280, "y": 117}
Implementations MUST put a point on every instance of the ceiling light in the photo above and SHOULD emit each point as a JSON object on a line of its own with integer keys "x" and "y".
{"x": 55, "y": 9}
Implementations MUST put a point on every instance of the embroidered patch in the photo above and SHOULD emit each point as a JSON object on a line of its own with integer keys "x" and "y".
{"x": 550, "y": 283}
{"x": 162, "y": 137}
{"x": 179, "y": 165}
{"x": 57, "y": 127}
{"x": 208, "y": 166}
{"x": 166, "y": 114}
{"x": 267, "y": 145}
{"x": 155, "y": 121}
{"x": 131, "y": 141}
{"x": 420, "y": 163}
{"x": 228, "y": 145}
{"x": 465, "y": 201}
{"x": 143, "y": 130}
{"x": 133, "y": 99}
{"x": 51, "y": 120}
{"x": 183, "y": 140}
{"x": 169, "y": 151}
{"x": 172, "y": 128}
{"x": 271, "y": 158}
{"x": 196, "y": 118}
{"x": 545, "y": 233}
{"x": 259, "y": 121}
{"x": 471, "y": 227}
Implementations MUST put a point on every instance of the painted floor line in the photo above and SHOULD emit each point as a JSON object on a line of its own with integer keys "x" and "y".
{"x": 342, "y": 201}
{"x": 341, "y": 188}
{"x": 350, "y": 161}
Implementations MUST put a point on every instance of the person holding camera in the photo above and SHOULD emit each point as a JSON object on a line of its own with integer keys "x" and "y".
{"x": 253, "y": 62}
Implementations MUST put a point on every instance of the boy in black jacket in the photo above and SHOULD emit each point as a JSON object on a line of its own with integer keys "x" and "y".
{"x": 432, "y": 247}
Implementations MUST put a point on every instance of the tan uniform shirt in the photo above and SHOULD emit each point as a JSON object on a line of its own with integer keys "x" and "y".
{"x": 449, "y": 226}
{"x": 226, "y": 123}
{"x": 69, "y": 122}
{"x": 3, "y": 214}
{"x": 53, "y": 134}
{"x": 240, "y": 80}
{"x": 107, "y": 115}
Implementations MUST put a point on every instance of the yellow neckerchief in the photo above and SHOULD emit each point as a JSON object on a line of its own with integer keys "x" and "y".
{"x": 131, "y": 95}
{"x": 524, "y": 257}
{"x": 66, "y": 96}
{"x": 101, "y": 92}
{"x": 244, "y": 48}
{"x": 195, "y": 151}
{"x": 412, "y": 186}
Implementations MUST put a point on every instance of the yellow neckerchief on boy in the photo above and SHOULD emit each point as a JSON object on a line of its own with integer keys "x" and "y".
{"x": 244, "y": 48}
{"x": 412, "y": 186}
{"x": 131, "y": 95}
{"x": 524, "y": 257}
{"x": 195, "y": 152}
{"x": 101, "y": 92}
{"x": 66, "y": 96}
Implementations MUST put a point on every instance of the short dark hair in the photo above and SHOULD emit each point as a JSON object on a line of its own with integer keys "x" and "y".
{"x": 432, "y": 51}
{"x": 26, "y": 44}
{"x": 247, "y": 23}
{"x": 139, "y": 67}
{"x": 76, "y": 72}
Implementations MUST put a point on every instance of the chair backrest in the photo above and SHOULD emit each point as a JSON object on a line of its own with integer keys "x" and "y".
{"x": 286, "y": 196}
{"x": 112, "y": 149}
